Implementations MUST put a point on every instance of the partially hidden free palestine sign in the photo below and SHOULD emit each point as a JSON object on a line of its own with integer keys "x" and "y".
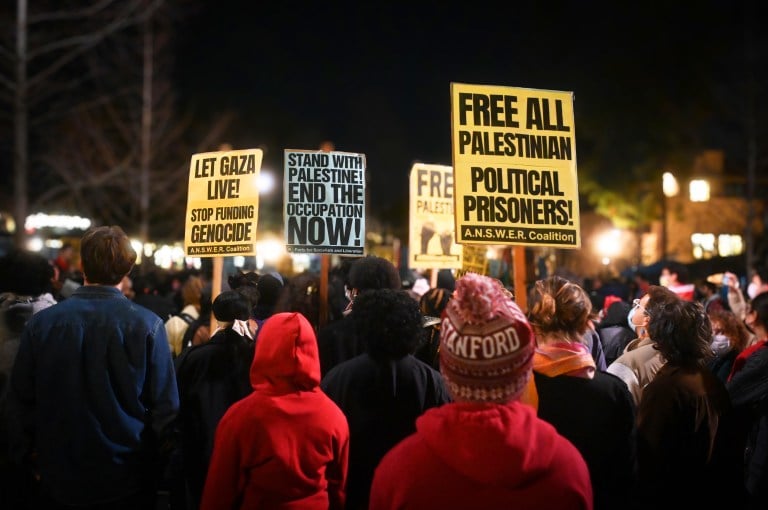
{"x": 431, "y": 240}
{"x": 324, "y": 201}
{"x": 514, "y": 162}
{"x": 223, "y": 203}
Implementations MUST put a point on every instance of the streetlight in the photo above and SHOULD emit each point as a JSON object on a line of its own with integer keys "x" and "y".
{"x": 671, "y": 188}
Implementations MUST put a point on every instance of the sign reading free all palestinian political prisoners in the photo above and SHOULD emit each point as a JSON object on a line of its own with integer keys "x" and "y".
{"x": 222, "y": 203}
{"x": 324, "y": 199}
{"x": 514, "y": 162}
{"x": 431, "y": 242}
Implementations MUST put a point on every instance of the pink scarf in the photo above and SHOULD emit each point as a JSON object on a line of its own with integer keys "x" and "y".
{"x": 559, "y": 358}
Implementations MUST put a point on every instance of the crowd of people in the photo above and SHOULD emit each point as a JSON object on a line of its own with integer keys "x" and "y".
{"x": 117, "y": 391}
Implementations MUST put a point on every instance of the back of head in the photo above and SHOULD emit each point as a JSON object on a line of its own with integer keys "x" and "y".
{"x": 372, "y": 272}
{"x": 241, "y": 279}
{"x": 558, "y": 305}
{"x": 616, "y": 314}
{"x": 681, "y": 331}
{"x": 230, "y": 305}
{"x": 434, "y": 301}
{"x": 659, "y": 295}
{"x": 389, "y": 322}
{"x": 301, "y": 293}
{"x": 106, "y": 254}
{"x": 486, "y": 343}
{"x": 269, "y": 290}
{"x": 25, "y": 273}
{"x": 286, "y": 356}
{"x": 192, "y": 290}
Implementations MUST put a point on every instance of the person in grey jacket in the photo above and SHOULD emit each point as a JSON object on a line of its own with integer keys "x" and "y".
{"x": 94, "y": 389}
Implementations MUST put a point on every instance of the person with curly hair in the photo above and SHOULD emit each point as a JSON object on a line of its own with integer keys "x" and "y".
{"x": 337, "y": 340}
{"x": 591, "y": 408}
{"x": 385, "y": 389}
{"x": 687, "y": 436}
{"x": 729, "y": 337}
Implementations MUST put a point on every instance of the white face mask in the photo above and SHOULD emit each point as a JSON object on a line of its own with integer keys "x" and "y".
{"x": 752, "y": 290}
{"x": 664, "y": 281}
{"x": 631, "y": 314}
{"x": 720, "y": 344}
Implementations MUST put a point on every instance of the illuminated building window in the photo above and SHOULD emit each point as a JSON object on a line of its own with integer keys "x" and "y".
{"x": 708, "y": 245}
{"x": 730, "y": 244}
{"x": 703, "y": 245}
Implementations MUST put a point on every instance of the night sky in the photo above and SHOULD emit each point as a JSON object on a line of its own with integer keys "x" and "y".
{"x": 375, "y": 79}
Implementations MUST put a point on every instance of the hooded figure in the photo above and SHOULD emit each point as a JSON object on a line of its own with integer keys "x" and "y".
{"x": 286, "y": 444}
{"x": 486, "y": 449}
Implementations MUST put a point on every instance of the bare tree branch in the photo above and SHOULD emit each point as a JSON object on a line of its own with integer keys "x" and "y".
{"x": 71, "y": 14}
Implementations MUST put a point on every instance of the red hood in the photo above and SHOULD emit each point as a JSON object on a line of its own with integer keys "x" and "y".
{"x": 493, "y": 444}
{"x": 286, "y": 357}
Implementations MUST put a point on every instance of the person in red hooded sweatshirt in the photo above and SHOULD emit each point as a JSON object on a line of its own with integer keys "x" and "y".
{"x": 486, "y": 449}
{"x": 285, "y": 445}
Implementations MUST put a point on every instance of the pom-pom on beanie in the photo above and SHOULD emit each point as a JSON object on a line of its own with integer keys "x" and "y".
{"x": 486, "y": 343}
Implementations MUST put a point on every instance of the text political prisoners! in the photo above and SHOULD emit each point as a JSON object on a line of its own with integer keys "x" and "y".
{"x": 501, "y": 111}
{"x": 235, "y": 165}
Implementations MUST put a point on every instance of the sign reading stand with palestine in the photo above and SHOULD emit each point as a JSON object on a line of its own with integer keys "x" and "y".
{"x": 514, "y": 162}
{"x": 222, "y": 203}
{"x": 324, "y": 199}
{"x": 431, "y": 241}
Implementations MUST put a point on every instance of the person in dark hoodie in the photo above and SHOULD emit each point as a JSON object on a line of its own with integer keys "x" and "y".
{"x": 385, "y": 389}
{"x": 286, "y": 444}
{"x": 211, "y": 377}
{"x": 486, "y": 449}
{"x": 614, "y": 330}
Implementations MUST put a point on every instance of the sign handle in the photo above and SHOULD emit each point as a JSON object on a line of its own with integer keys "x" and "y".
{"x": 521, "y": 292}
{"x": 324, "y": 263}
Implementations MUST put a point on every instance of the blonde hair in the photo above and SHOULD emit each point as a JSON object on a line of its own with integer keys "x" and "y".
{"x": 192, "y": 290}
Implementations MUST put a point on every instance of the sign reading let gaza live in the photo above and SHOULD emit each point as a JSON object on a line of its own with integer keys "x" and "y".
{"x": 223, "y": 203}
{"x": 514, "y": 163}
{"x": 324, "y": 198}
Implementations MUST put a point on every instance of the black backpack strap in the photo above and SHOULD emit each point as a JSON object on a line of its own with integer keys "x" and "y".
{"x": 186, "y": 318}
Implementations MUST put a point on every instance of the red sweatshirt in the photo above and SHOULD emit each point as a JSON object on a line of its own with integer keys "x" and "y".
{"x": 466, "y": 455}
{"x": 285, "y": 445}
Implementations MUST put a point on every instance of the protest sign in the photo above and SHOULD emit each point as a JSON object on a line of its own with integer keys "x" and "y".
{"x": 222, "y": 203}
{"x": 324, "y": 202}
{"x": 431, "y": 242}
{"x": 514, "y": 161}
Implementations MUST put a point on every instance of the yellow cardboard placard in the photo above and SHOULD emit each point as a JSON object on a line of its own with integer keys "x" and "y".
{"x": 514, "y": 163}
{"x": 222, "y": 203}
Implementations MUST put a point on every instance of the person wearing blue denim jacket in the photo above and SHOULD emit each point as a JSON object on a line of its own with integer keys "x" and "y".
{"x": 94, "y": 388}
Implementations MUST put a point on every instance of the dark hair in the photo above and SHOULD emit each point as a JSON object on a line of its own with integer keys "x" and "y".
{"x": 433, "y": 302}
{"x": 301, "y": 294}
{"x": 241, "y": 279}
{"x": 25, "y": 273}
{"x": 559, "y": 305}
{"x": 373, "y": 272}
{"x": 679, "y": 269}
{"x": 761, "y": 270}
{"x": 106, "y": 254}
{"x": 231, "y": 305}
{"x": 681, "y": 331}
{"x": 388, "y": 322}
{"x": 658, "y": 295}
{"x": 760, "y": 305}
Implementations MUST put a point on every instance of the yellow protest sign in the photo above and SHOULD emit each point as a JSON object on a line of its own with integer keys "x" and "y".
{"x": 514, "y": 161}
{"x": 431, "y": 242}
{"x": 222, "y": 203}
{"x": 324, "y": 202}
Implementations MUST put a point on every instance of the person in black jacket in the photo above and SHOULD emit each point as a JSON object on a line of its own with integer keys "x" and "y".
{"x": 385, "y": 389}
{"x": 211, "y": 377}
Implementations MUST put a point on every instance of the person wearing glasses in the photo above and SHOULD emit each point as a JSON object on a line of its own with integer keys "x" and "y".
{"x": 641, "y": 360}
